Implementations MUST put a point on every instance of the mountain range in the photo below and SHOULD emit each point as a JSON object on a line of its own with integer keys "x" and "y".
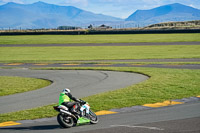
{"x": 172, "y": 12}
{"x": 44, "y": 15}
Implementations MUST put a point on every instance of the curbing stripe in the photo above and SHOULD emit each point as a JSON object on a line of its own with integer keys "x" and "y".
{"x": 137, "y": 64}
{"x": 14, "y": 64}
{"x": 70, "y": 64}
{"x": 9, "y": 123}
{"x": 102, "y": 64}
{"x": 165, "y": 103}
{"x": 105, "y": 112}
{"x": 40, "y": 64}
{"x": 173, "y": 64}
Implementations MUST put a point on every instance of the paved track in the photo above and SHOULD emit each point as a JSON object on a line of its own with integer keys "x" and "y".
{"x": 82, "y": 83}
{"x": 32, "y": 65}
{"x": 175, "y": 119}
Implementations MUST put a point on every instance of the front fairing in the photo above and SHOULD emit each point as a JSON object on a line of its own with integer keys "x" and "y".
{"x": 82, "y": 120}
{"x": 85, "y": 107}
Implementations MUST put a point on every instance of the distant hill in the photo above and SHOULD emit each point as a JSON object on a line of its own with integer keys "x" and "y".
{"x": 195, "y": 24}
{"x": 172, "y": 12}
{"x": 43, "y": 15}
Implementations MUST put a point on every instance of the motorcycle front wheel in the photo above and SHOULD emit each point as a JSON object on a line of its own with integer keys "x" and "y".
{"x": 65, "y": 121}
{"x": 93, "y": 117}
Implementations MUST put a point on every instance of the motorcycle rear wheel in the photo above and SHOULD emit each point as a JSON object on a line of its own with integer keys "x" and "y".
{"x": 65, "y": 121}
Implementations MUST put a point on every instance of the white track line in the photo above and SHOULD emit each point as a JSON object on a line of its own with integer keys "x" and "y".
{"x": 151, "y": 128}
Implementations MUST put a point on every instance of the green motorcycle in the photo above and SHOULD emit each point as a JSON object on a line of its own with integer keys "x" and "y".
{"x": 82, "y": 115}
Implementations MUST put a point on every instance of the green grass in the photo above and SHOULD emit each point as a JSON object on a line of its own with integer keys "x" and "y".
{"x": 12, "y": 85}
{"x": 49, "y": 54}
{"x": 124, "y": 38}
{"x": 142, "y": 63}
{"x": 164, "y": 84}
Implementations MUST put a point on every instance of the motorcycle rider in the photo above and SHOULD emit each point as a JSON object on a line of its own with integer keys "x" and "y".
{"x": 79, "y": 111}
{"x": 65, "y": 99}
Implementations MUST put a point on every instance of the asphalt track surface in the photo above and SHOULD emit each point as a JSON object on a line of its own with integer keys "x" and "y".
{"x": 82, "y": 83}
{"x": 183, "y": 118}
{"x": 39, "y": 65}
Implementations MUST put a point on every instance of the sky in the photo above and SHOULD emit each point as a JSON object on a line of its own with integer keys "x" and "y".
{"x": 116, "y": 8}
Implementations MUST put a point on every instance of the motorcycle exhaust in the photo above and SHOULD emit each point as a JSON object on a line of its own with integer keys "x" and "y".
{"x": 68, "y": 113}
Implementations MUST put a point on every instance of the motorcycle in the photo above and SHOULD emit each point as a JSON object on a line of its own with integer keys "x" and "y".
{"x": 77, "y": 115}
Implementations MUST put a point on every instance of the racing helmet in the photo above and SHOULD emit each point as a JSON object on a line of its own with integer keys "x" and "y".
{"x": 66, "y": 90}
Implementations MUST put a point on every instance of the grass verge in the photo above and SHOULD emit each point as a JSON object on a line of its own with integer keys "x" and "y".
{"x": 123, "y": 38}
{"x": 12, "y": 85}
{"x": 49, "y": 54}
{"x": 164, "y": 84}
